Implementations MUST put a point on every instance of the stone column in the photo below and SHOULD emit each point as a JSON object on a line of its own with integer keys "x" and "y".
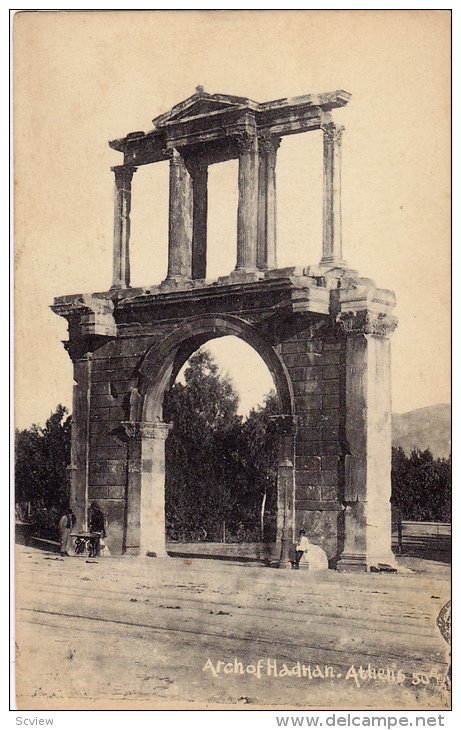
{"x": 200, "y": 213}
{"x": 267, "y": 204}
{"x": 133, "y": 494}
{"x": 122, "y": 208}
{"x": 332, "y": 254}
{"x": 367, "y": 515}
{"x": 180, "y": 219}
{"x": 145, "y": 522}
{"x": 80, "y": 438}
{"x": 247, "y": 213}
{"x": 285, "y": 428}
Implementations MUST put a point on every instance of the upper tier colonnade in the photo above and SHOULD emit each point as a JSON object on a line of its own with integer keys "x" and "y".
{"x": 209, "y": 128}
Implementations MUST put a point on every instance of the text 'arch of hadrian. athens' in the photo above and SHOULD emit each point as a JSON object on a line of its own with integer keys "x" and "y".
{"x": 322, "y": 330}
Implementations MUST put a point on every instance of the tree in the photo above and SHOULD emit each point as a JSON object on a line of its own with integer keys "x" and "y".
{"x": 41, "y": 476}
{"x": 202, "y": 452}
{"x": 260, "y": 458}
{"x": 219, "y": 467}
{"x": 421, "y": 485}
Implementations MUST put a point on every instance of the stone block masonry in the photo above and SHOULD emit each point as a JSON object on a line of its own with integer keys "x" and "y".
{"x": 330, "y": 372}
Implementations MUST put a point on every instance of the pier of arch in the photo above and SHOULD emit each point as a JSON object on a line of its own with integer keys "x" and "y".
{"x": 322, "y": 330}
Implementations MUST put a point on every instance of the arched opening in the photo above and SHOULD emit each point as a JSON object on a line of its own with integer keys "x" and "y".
{"x": 162, "y": 364}
{"x": 221, "y": 453}
{"x": 158, "y": 373}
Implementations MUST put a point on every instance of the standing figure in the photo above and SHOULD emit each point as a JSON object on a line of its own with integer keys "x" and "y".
{"x": 301, "y": 547}
{"x": 96, "y": 526}
{"x": 66, "y": 524}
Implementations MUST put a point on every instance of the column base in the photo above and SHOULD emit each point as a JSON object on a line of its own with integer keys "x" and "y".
{"x": 131, "y": 550}
{"x": 176, "y": 282}
{"x": 332, "y": 262}
{"x": 360, "y": 563}
{"x": 350, "y": 563}
{"x": 242, "y": 276}
{"x": 137, "y": 552}
{"x": 384, "y": 563}
{"x": 154, "y": 553}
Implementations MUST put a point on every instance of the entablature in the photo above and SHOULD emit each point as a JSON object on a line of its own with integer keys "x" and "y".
{"x": 205, "y": 119}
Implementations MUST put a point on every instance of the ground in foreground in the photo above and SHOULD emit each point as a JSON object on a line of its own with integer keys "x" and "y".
{"x": 143, "y": 633}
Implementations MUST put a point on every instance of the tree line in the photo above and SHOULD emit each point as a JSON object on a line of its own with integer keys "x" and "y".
{"x": 221, "y": 468}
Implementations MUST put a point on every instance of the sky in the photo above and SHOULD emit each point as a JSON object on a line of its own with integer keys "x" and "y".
{"x": 82, "y": 78}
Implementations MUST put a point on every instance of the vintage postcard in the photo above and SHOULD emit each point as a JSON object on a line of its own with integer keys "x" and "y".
{"x": 232, "y": 359}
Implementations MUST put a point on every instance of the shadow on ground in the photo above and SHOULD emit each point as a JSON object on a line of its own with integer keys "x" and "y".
{"x": 426, "y": 548}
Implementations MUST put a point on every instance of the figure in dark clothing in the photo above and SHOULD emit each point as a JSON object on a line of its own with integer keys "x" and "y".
{"x": 97, "y": 520}
{"x": 97, "y": 526}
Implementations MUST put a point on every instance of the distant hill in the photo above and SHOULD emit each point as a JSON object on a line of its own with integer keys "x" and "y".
{"x": 423, "y": 428}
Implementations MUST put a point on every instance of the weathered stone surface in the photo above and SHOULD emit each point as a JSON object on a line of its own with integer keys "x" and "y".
{"x": 116, "y": 452}
{"x": 332, "y": 233}
{"x": 331, "y": 401}
{"x": 121, "y": 268}
{"x": 308, "y": 448}
{"x": 107, "y": 479}
{"x": 310, "y": 463}
{"x": 330, "y": 372}
{"x": 180, "y": 219}
{"x": 306, "y": 491}
{"x": 329, "y": 492}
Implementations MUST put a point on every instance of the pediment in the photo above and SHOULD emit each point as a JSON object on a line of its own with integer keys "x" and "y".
{"x": 200, "y": 104}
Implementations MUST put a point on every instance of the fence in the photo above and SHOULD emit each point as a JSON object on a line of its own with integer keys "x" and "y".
{"x": 422, "y": 537}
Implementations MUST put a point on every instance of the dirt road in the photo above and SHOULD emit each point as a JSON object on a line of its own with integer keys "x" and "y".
{"x": 140, "y": 633}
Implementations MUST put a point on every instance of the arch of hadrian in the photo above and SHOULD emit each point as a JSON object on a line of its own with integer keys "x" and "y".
{"x": 322, "y": 330}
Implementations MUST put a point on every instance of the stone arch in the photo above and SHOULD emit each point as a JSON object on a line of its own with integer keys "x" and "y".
{"x": 161, "y": 364}
{"x": 145, "y": 521}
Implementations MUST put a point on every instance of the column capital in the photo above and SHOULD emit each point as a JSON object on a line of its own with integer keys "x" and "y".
{"x": 174, "y": 155}
{"x": 268, "y": 142}
{"x": 147, "y": 429}
{"x": 333, "y": 132}
{"x": 366, "y": 322}
{"x": 123, "y": 172}
{"x": 246, "y": 141}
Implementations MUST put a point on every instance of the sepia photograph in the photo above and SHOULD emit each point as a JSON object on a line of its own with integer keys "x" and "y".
{"x": 232, "y": 404}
